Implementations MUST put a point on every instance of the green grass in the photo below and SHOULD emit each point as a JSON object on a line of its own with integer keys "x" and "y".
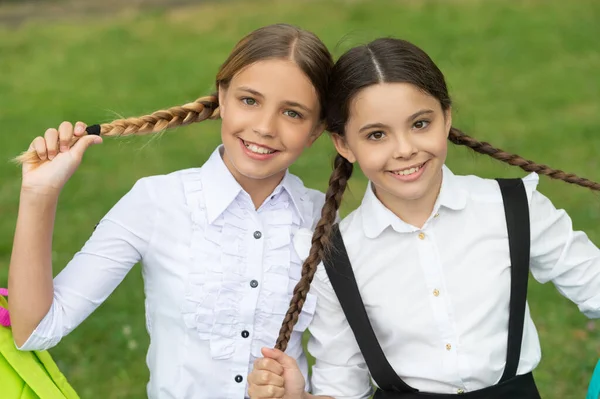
{"x": 524, "y": 76}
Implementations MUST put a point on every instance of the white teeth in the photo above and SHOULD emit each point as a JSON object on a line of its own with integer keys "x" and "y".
{"x": 407, "y": 172}
{"x": 257, "y": 150}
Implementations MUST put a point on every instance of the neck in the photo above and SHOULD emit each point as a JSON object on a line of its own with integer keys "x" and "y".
{"x": 413, "y": 211}
{"x": 258, "y": 189}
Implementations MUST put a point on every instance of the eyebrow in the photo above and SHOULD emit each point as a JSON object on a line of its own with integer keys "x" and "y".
{"x": 251, "y": 91}
{"x": 287, "y": 103}
{"x": 384, "y": 126}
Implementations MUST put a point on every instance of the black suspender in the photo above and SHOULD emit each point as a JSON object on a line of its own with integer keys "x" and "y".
{"x": 516, "y": 210}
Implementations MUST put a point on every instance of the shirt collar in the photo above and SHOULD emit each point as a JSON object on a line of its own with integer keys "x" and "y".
{"x": 220, "y": 188}
{"x": 376, "y": 217}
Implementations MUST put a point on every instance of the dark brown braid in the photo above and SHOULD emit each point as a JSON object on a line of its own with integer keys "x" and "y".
{"x": 459, "y": 138}
{"x": 320, "y": 244}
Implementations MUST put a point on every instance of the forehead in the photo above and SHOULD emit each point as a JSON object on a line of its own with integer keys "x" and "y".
{"x": 279, "y": 78}
{"x": 390, "y": 101}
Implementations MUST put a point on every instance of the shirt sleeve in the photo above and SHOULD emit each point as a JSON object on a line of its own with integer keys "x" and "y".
{"x": 559, "y": 254}
{"x": 118, "y": 242}
{"x": 339, "y": 370}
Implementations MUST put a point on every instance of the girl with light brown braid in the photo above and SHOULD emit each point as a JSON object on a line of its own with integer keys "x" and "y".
{"x": 423, "y": 287}
{"x": 215, "y": 242}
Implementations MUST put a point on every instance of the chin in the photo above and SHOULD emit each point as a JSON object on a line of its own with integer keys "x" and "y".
{"x": 404, "y": 193}
{"x": 253, "y": 174}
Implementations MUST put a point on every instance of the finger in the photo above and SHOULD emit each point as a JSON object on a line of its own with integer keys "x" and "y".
{"x": 39, "y": 145}
{"x": 263, "y": 377}
{"x": 80, "y": 129}
{"x": 269, "y": 378}
{"x": 51, "y": 138}
{"x": 269, "y": 365}
{"x": 83, "y": 144}
{"x": 65, "y": 135}
{"x": 265, "y": 392}
{"x": 286, "y": 361}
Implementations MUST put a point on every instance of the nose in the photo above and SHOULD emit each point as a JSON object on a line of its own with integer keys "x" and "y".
{"x": 405, "y": 147}
{"x": 266, "y": 124}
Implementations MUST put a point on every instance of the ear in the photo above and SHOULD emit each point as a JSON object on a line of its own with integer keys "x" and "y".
{"x": 448, "y": 120}
{"x": 221, "y": 96}
{"x": 315, "y": 134}
{"x": 342, "y": 147}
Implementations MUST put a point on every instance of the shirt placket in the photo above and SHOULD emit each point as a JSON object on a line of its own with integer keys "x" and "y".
{"x": 255, "y": 242}
{"x": 440, "y": 304}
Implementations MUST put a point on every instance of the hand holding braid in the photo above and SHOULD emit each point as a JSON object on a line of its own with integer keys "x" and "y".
{"x": 197, "y": 111}
{"x": 459, "y": 138}
{"x": 320, "y": 244}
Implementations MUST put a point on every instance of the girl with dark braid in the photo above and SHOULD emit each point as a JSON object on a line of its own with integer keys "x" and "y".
{"x": 215, "y": 242}
{"x": 423, "y": 287}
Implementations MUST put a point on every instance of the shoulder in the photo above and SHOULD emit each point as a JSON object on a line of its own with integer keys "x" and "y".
{"x": 312, "y": 200}
{"x": 167, "y": 190}
{"x": 485, "y": 190}
{"x": 315, "y": 196}
{"x": 351, "y": 227}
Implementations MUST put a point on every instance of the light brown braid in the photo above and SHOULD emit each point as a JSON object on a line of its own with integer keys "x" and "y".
{"x": 319, "y": 245}
{"x": 459, "y": 138}
{"x": 203, "y": 108}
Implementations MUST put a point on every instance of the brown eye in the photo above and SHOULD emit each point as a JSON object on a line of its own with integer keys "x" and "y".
{"x": 376, "y": 135}
{"x": 421, "y": 124}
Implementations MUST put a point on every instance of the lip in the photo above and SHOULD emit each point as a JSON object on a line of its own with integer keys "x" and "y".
{"x": 411, "y": 177}
{"x": 409, "y": 167}
{"x": 259, "y": 145}
{"x": 255, "y": 156}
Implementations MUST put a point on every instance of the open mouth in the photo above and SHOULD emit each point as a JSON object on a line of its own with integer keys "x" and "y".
{"x": 409, "y": 171}
{"x": 258, "y": 149}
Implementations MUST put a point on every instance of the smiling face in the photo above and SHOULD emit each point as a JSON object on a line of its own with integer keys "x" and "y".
{"x": 270, "y": 113}
{"x": 398, "y": 135}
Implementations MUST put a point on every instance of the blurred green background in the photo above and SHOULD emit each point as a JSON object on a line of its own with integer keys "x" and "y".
{"x": 523, "y": 75}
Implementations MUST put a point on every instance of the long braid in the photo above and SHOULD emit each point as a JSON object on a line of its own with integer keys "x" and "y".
{"x": 460, "y": 138}
{"x": 320, "y": 243}
{"x": 203, "y": 108}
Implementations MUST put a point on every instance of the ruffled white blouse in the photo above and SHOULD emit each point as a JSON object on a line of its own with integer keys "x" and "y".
{"x": 218, "y": 276}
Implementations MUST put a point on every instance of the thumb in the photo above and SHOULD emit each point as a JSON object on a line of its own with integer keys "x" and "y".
{"x": 84, "y": 143}
{"x": 286, "y": 361}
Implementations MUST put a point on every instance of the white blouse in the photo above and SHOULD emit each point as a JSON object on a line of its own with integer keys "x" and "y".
{"x": 218, "y": 276}
{"x": 438, "y": 296}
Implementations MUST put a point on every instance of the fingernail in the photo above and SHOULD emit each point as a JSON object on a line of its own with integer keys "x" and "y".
{"x": 79, "y": 129}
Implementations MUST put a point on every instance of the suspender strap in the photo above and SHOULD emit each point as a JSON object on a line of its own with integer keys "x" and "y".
{"x": 516, "y": 209}
{"x": 342, "y": 279}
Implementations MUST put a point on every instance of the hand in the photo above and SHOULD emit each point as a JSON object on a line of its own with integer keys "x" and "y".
{"x": 60, "y": 152}
{"x": 276, "y": 376}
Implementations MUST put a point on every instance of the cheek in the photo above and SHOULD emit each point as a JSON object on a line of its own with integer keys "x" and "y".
{"x": 442, "y": 147}
{"x": 234, "y": 119}
{"x": 295, "y": 135}
{"x": 435, "y": 144}
{"x": 371, "y": 159}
